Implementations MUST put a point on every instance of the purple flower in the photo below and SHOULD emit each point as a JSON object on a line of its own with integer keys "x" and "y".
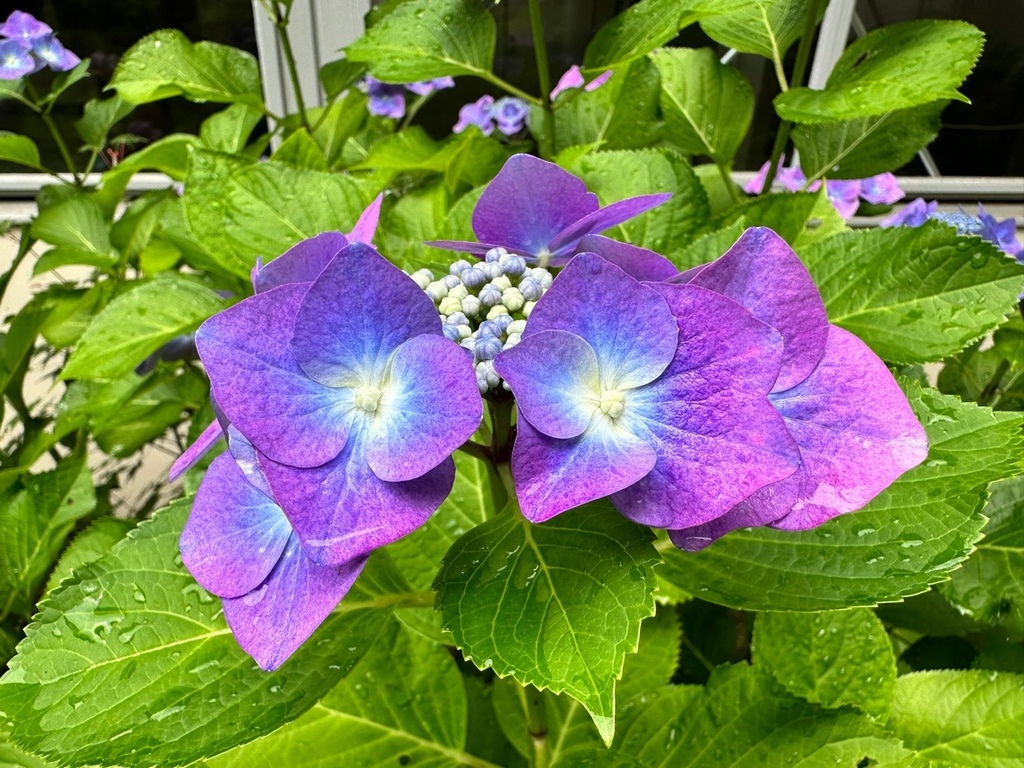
{"x": 540, "y": 211}
{"x": 15, "y": 61}
{"x": 23, "y": 28}
{"x": 844, "y": 196}
{"x": 510, "y": 113}
{"x": 573, "y": 78}
{"x": 386, "y": 100}
{"x": 51, "y": 53}
{"x": 479, "y": 113}
{"x": 882, "y": 189}
{"x": 352, "y": 396}
{"x": 854, "y": 428}
{"x": 913, "y": 214}
{"x": 239, "y": 545}
{"x": 654, "y": 394}
{"x": 1003, "y": 234}
{"x": 423, "y": 87}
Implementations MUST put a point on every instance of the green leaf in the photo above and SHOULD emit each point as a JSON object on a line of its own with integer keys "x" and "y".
{"x": 239, "y": 209}
{"x": 229, "y": 129}
{"x": 87, "y": 547}
{"x": 169, "y": 155}
{"x": 708, "y": 247}
{"x": 615, "y": 176}
{"x": 832, "y": 658}
{"x": 856, "y": 149}
{"x": 35, "y": 521}
{"x": 79, "y": 228}
{"x": 12, "y": 757}
{"x": 98, "y": 117}
{"x": 425, "y": 39}
{"x": 343, "y": 119}
{"x": 765, "y": 27}
{"x": 914, "y": 294}
{"x": 799, "y": 218}
{"x": 15, "y": 148}
{"x": 403, "y": 704}
{"x": 962, "y": 719}
{"x": 139, "y": 322}
{"x": 896, "y": 67}
{"x": 707, "y": 105}
{"x": 541, "y": 614}
{"x": 336, "y": 76}
{"x": 301, "y": 151}
{"x": 166, "y": 64}
{"x": 990, "y": 586}
{"x": 414, "y": 218}
{"x": 910, "y": 536}
{"x": 132, "y": 663}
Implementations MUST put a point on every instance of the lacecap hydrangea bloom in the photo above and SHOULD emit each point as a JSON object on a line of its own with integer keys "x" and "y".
{"x": 508, "y": 114}
{"x": 1002, "y": 234}
{"x": 28, "y": 45}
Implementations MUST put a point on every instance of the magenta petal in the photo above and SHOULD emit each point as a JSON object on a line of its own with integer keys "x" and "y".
{"x": 206, "y": 440}
{"x": 606, "y": 217}
{"x": 628, "y": 324}
{"x": 342, "y": 510}
{"x": 234, "y": 535}
{"x": 355, "y": 314}
{"x": 260, "y": 387}
{"x": 855, "y": 429}
{"x": 554, "y": 377}
{"x": 635, "y": 261}
{"x": 718, "y": 438}
{"x": 301, "y": 263}
{"x": 366, "y": 227}
{"x": 430, "y": 406}
{"x": 528, "y": 203}
{"x": 762, "y": 273}
{"x": 553, "y": 475}
{"x": 272, "y": 621}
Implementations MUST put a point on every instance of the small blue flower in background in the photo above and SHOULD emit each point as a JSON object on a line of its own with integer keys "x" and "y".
{"x": 388, "y": 99}
{"x": 845, "y": 195}
{"x": 510, "y": 114}
{"x": 1002, "y": 234}
{"x": 23, "y": 28}
{"x": 573, "y": 78}
{"x": 15, "y": 61}
{"x": 479, "y": 113}
{"x": 913, "y": 214}
{"x": 29, "y": 46}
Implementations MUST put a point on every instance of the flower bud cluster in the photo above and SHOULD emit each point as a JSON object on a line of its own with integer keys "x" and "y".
{"x": 484, "y": 306}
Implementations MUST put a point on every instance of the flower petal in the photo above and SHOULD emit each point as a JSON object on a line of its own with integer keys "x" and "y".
{"x": 272, "y": 621}
{"x": 598, "y": 221}
{"x": 234, "y": 535}
{"x": 554, "y": 377}
{"x": 528, "y": 203}
{"x": 355, "y": 314}
{"x": 762, "y": 273}
{"x": 636, "y": 262}
{"x": 553, "y": 475}
{"x": 260, "y": 387}
{"x": 342, "y": 510}
{"x": 366, "y": 227}
{"x": 301, "y": 263}
{"x": 206, "y": 440}
{"x": 717, "y": 437}
{"x": 629, "y": 325}
{"x": 430, "y": 406}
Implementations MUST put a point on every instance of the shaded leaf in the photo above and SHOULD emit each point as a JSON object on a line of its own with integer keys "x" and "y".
{"x": 765, "y": 27}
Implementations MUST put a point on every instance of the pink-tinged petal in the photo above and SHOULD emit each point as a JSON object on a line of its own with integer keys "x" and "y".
{"x": 598, "y": 81}
{"x": 762, "y": 273}
{"x": 258, "y": 384}
{"x": 272, "y": 621}
{"x": 301, "y": 263}
{"x": 565, "y": 241}
{"x": 430, "y": 406}
{"x": 247, "y": 458}
{"x": 572, "y": 78}
{"x": 553, "y": 475}
{"x": 342, "y": 510}
{"x": 637, "y": 262}
{"x": 756, "y": 184}
{"x": 234, "y": 535}
{"x": 555, "y": 380}
{"x": 206, "y": 440}
{"x": 855, "y": 429}
{"x": 528, "y": 203}
{"x": 628, "y": 324}
{"x": 366, "y": 226}
{"x": 882, "y": 189}
{"x": 355, "y": 314}
{"x": 844, "y": 196}
{"x": 760, "y": 508}
{"x": 717, "y": 436}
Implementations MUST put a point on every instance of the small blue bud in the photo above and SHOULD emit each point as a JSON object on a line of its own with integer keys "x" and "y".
{"x": 489, "y": 328}
{"x": 516, "y": 326}
{"x": 487, "y": 347}
{"x": 497, "y": 311}
{"x": 457, "y": 318}
{"x": 502, "y": 321}
{"x": 489, "y": 296}
{"x": 513, "y": 299}
{"x": 436, "y": 291}
{"x": 450, "y": 281}
{"x": 423, "y": 278}
{"x": 542, "y": 276}
{"x": 451, "y": 332}
{"x": 491, "y": 270}
{"x": 513, "y": 265}
{"x": 531, "y": 288}
{"x": 501, "y": 282}
{"x": 473, "y": 277}
{"x": 458, "y": 292}
{"x": 459, "y": 267}
{"x": 469, "y": 343}
{"x": 471, "y": 306}
{"x": 495, "y": 254}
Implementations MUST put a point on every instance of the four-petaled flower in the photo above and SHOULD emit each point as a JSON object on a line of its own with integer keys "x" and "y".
{"x": 29, "y": 46}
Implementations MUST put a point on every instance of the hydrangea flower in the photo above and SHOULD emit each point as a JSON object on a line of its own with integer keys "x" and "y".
{"x": 352, "y": 397}
{"x": 23, "y": 28}
{"x": 539, "y": 211}
{"x": 388, "y": 99}
{"x": 15, "y": 61}
{"x": 30, "y": 46}
{"x": 844, "y": 195}
{"x": 1002, "y": 234}
{"x": 424, "y": 87}
{"x": 509, "y": 114}
{"x": 239, "y": 545}
{"x": 573, "y": 78}
{"x": 913, "y": 214}
{"x": 654, "y": 394}
{"x": 479, "y": 113}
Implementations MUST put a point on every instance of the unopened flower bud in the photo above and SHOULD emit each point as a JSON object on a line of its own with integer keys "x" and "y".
{"x": 486, "y": 377}
{"x": 531, "y": 288}
{"x": 489, "y": 296}
{"x": 513, "y": 299}
{"x": 497, "y": 311}
{"x": 451, "y": 332}
{"x": 459, "y": 267}
{"x": 513, "y": 265}
{"x": 487, "y": 347}
{"x": 450, "y": 281}
{"x": 491, "y": 270}
{"x": 516, "y": 326}
{"x": 501, "y": 282}
{"x": 449, "y": 305}
{"x": 473, "y": 277}
{"x": 458, "y": 292}
{"x": 436, "y": 291}
{"x": 489, "y": 328}
{"x": 495, "y": 254}
{"x": 502, "y": 321}
{"x": 457, "y": 318}
{"x": 423, "y": 278}
{"x": 512, "y": 340}
{"x": 528, "y": 308}
{"x": 471, "y": 306}
{"x": 542, "y": 276}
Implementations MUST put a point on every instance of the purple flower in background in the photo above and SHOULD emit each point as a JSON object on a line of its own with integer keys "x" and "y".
{"x": 386, "y": 100}
{"x": 510, "y": 113}
{"x": 913, "y": 214}
{"x": 573, "y": 78}
{"x": 23, "y": 28}
{"x": 479, "y": 113}
{"x": 352, "y": 396}
{"x": 423, "y": 87}
{"x": 1003, "y": 234}
{"x": 51, "y": 53}
{"x": 882, "y": 189}
{"x": 655, "y": 394}
{"x": 854, "y": 428}
{"x": 239, "y": 545}
{"x": 540, "y": 211}
{"x": 30, "y": 46}
{"x": 15, "y": 61}
{"x": 843, "y": 194}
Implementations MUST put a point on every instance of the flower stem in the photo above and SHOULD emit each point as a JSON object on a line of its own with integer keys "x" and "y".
{"x": 506, "y": 86}
{"x": 476, "y": 450}
{"x": 537, "y": 726}
{"x": 730, "y": 185}
{"x": 281, "y": 25}
{"x": 51, "y": 126}
{"x": 540, "y": 52}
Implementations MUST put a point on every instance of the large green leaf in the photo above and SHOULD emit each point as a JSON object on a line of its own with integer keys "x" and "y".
{"x": 799, "y": 218}
{"x": 411, "y": 220}
{"x": 229, "y": 129}
{"x": 707, "y": 105}
{"x": 88, "y": 546}
{"x": 424, "y": 39}
{"x": 139, "y": 322}
{"x": 79, "y": 229}
{"x": 166, "y": 64}
{"x": 98, "y": 117}
{"x": 34, "y": 524}
{"x": 615, "y": 176}
{"x": 543, "y": 614}
{"x": 765, "y": 27}
{"x": 910, "y": 536}
{"x": 896, "y": 67}
{"x": 132, "y": 663}
{"x": 240, "y": 209}
{"x": 969, "y": 719}
{"x": 15, "y": 148}
{"x": 832, "y": 658}
{"x": 914, "y": 294}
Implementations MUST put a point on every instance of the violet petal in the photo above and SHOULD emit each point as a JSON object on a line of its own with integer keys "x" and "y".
{"x": 301, "y": 263}
{"x": 598, "y": 221}
{"x": 206, "y": 440}
{"x": 637, "y": 262}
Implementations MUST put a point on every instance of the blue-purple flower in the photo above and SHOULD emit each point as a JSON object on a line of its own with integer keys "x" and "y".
{"x": 29, "y": 46}
{"x": 15, "y": 61}
{"x": 913, "y": 214}
{"x": 845, "y": 195}
{"x": 1002, "y": 234}
{"x": 479, "y": 113}
{"x": 509, "y": 114}
{"x": 541, "y": 212}
{"x": 388, "y": 99}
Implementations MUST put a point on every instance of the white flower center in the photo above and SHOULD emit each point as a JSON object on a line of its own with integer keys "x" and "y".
{"x": 367, "y": 398}
{"x": 612, "y": 403}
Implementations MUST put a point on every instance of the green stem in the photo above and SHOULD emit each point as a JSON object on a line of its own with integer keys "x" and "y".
{"x": 730, "y": 185}
{"x": 415, "y": 107}
{"x": 506, "y": 86}
{"x": 476, "y": 450}
{"x": 697, "y": 654}
{"x": 537, "y": 726}
{"x": 803, "y": 56}
{"x": 281, "y": 25}
{"x": 540, "y": 52}
{"x": 501, "y": 426}
{"x": 992, "y": 388}
{"x": 51, "y": 126}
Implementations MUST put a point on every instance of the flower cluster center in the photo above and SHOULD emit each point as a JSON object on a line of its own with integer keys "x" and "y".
{"x": 367, "y": 398}
{"x": 613, "y": 401}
